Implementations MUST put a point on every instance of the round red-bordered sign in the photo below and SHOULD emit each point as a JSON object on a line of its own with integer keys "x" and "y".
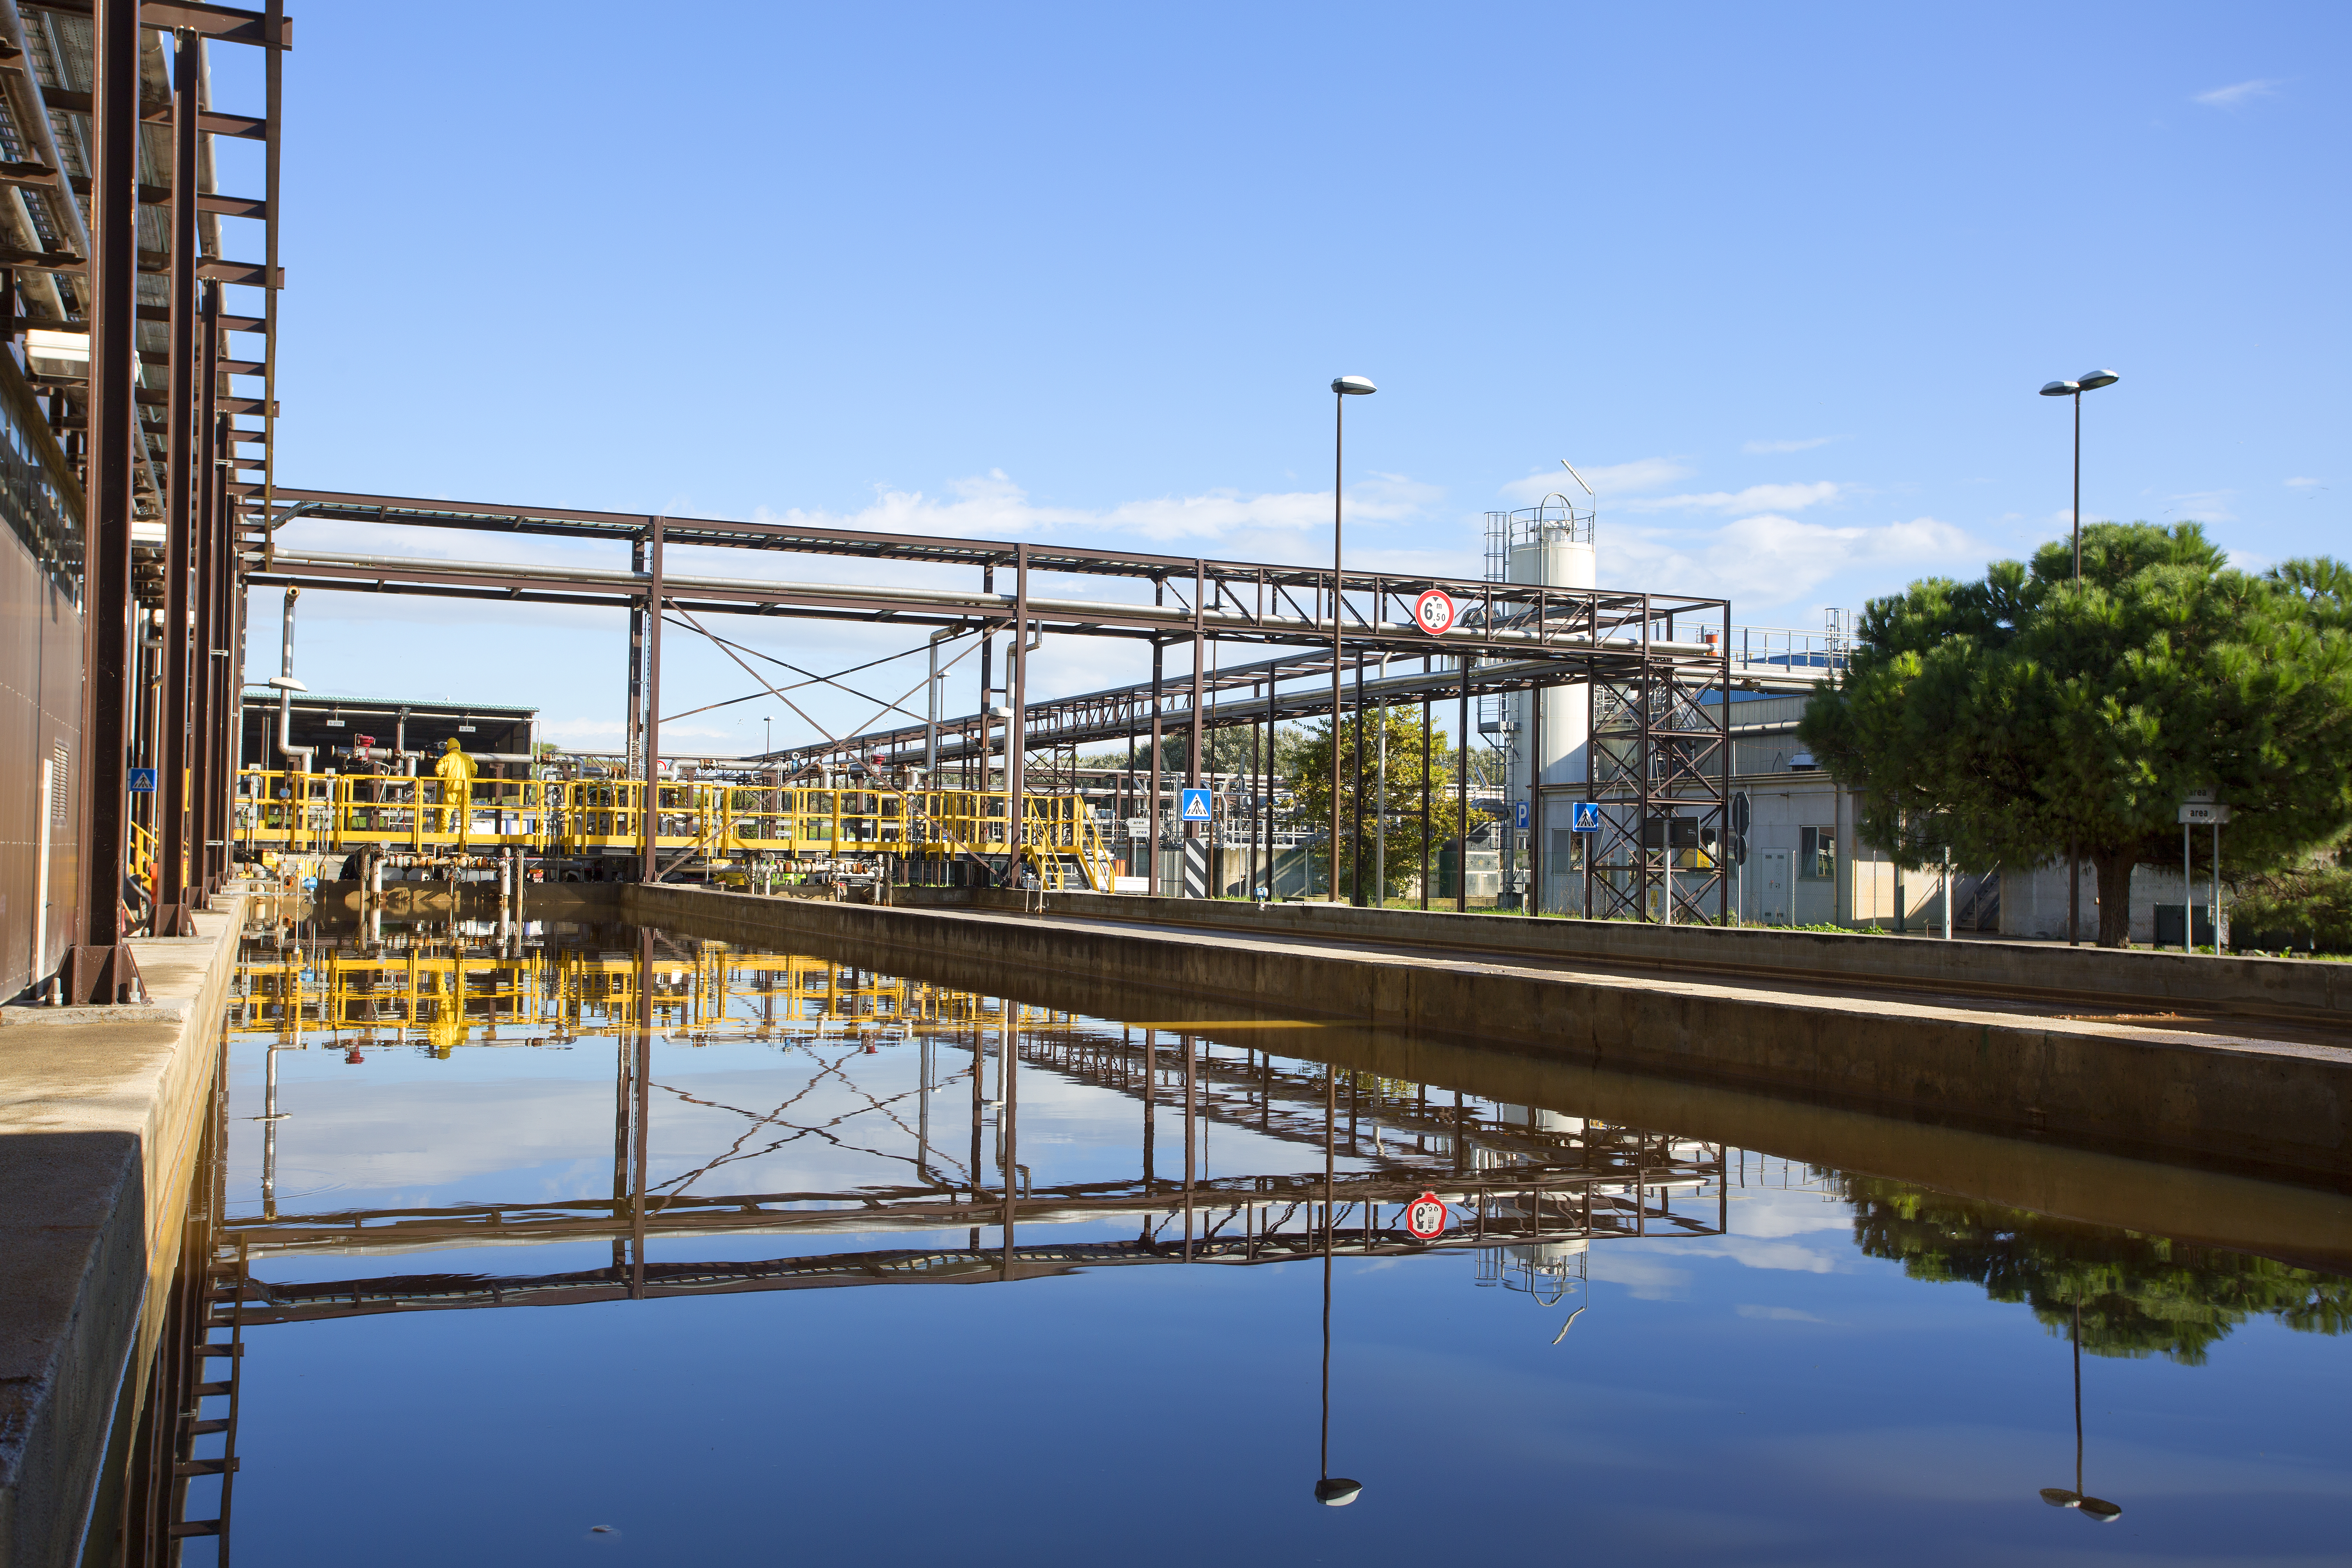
{"x": 1433, "y": 612}
{"x": 1424, "y": 1217}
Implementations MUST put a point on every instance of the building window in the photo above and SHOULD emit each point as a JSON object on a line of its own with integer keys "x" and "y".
{"x": 1817, "y": 856}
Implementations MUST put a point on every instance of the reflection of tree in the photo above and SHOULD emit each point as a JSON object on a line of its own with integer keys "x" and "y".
{"x": 2140, "y": 1295}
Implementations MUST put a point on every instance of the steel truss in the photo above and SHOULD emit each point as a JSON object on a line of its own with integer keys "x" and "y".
{"x": 1659, "y": 768}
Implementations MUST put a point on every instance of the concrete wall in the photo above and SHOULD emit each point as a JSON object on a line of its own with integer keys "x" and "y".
{"x": 100, "y": 1116}
{"x": 2285, "y": 1110}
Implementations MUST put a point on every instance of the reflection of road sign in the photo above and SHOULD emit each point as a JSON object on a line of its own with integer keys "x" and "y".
{"x": 142, "y": 781}
{"x": 1584, "y": 816}
{"x": 1425, "y": 1217}
{"x": 1433, "y": 612}
{"x": 1519, "y": 820}
{"x": 1196, "y": 806}
{"x": 1741, "y": 815}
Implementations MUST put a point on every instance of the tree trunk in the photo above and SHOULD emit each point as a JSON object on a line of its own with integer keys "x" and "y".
{"x": 2115, "y": 900}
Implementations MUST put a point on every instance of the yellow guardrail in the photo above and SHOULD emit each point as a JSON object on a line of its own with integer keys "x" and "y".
{"x": 328, "y": 812}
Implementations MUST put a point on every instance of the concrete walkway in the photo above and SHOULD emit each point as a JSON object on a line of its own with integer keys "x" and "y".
{"x": 101, "y": 1112}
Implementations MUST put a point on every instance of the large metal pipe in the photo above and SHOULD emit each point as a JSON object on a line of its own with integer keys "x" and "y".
{"x": 285, "y": 691}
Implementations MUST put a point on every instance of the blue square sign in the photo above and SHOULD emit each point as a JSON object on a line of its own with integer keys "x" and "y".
{"x": 1584, "y": 816}
{"x": 1522, "y": 820}
{"x": 1196, "y": 806}
{"x": 142, "y": 781}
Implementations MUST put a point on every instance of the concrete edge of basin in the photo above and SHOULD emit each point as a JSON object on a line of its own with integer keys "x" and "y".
{"x": 2275, "y": 1113}
{"x": 100, "y": 1119}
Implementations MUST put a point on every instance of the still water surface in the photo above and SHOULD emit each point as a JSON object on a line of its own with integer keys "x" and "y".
{"x": 734, "y": 1286}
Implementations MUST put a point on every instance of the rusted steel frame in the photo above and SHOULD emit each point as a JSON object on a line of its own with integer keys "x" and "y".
{"x": 177, "y": 714}
{"x": 101, "y": 967}
{"x": 202, "y": 488}
{"x": 1016, "y": 772}
{"x": 227, "y": 23}
{"x": 271, "y": 278}
{"x": 559, "y": 522}
{"x": 650, "y": 817}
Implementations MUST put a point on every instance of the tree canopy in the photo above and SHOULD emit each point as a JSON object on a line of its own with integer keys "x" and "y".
{"x": 1408, "y": 852}
{"x": 2011, "y": 718}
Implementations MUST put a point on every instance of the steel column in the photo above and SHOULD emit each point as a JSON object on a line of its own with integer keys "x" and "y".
{"x": 175, "y": 707}
{"x": 651, "y": 869}
{"x": 101, "y": 968}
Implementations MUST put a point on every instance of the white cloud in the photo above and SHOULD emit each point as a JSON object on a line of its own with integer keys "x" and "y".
{"x": 1608, "y": 480}
{"x": 992, "y": 506}
{"x": 1770, "y": 559}
{"x": 2238, "y": 92}
{"x": 1804, "y": 445}
{"x": 2301, "y": 484}
{"x": 1779, "y": 1314}
{"x": 1755, "y": 497}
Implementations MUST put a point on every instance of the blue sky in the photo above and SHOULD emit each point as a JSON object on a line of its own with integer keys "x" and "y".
{"x": 1782, "y": 282}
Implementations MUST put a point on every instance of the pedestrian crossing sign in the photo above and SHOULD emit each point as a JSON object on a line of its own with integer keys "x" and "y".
{"x": 1196, "y": 806}
{"x": 1584, "y": 816}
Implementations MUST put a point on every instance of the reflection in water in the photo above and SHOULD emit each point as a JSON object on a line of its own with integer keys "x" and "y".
{"x": 787, "y": 1122}
{"x": 2116, "y": 1292}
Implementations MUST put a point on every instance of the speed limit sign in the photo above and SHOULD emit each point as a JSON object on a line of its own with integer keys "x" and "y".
{"x": 1424, "y": 1217}
{"x": 1433, "y": 612}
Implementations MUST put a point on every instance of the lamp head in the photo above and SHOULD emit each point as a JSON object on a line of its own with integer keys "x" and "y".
{"x": 1337, "y": 1491}
{"x": 2060, "y": 388}
{"x": 1353, "y": 386}
{"x": 2090, "y": 380}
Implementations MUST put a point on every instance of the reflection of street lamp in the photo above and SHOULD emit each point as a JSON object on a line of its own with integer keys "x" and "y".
{"x": 1342, "y": 389}
{"x": 2099, "y": 1509}
{"x": 1331, "y": 1491}
{"x": 2090, "y": 381}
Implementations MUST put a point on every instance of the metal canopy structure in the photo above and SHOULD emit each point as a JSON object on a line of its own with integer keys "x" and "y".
{"x": 123, "y": 327}
{"x": 1671, "y": 648}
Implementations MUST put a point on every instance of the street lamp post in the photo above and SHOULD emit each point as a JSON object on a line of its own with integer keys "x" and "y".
{"x": 1342, "y": 389}
{"x": 2090, "y": 381}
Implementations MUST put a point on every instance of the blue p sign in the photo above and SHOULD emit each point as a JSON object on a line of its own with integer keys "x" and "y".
{"x": 1196, "y": 806}
{"x": 1521, "y": 821}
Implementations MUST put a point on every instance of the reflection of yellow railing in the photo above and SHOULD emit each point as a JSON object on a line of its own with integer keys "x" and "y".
{"x": 711, "y": 821}
{"x": 444, "y": 997}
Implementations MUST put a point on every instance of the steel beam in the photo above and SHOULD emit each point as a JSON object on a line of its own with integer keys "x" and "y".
{"x": 176, "y": 714}
{"x": 101, "y": 967}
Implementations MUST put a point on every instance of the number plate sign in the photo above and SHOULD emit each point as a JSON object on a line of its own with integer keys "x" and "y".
{"x": 1424, "y": 1217}
{"x": 1433, "y": 612}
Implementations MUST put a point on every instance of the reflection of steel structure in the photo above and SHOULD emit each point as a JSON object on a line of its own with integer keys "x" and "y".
{"x": 1522, "y": 1177}
{"x": 1522, "y": 1182}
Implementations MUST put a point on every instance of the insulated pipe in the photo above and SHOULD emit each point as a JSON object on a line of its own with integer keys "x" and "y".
{"x": 286, "y": 694}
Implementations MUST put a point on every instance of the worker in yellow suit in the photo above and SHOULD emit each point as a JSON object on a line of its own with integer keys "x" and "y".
{"x": 454, "y": 769}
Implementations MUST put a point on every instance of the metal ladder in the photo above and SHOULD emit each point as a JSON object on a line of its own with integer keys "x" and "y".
{"x": 221, "y": 1292}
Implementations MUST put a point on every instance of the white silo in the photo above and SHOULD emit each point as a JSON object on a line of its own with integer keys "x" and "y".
{"x": 1551, "y": 544}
